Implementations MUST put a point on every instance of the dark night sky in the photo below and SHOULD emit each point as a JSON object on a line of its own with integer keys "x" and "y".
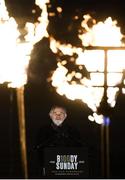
{"x": 39, "y": 95}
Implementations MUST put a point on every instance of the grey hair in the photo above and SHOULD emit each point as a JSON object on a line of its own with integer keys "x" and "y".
{"x": 57, "y": 106}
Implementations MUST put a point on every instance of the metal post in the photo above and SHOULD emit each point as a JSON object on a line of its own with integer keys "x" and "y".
{"x": 22, "y": 129}
{"x": 107, "y": 150}
{"x": 102, "y": 151}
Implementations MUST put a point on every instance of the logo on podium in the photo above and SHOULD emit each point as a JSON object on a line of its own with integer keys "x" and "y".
{"x": 66, "y": 162}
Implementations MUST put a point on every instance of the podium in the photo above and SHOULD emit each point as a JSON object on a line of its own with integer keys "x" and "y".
{"x": 68, "y": 162}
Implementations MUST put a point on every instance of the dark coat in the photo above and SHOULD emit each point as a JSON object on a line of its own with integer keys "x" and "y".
{"x": 58, "y": 136}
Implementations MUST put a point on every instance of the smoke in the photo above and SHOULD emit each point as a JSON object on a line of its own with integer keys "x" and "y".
{"x": 42, "y": 63}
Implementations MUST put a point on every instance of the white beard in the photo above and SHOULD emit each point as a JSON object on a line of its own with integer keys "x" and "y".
{"x": 58, "y": 122}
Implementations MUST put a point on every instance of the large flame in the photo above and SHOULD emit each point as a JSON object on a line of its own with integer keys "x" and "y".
{"x": 15, "y": 54}
{"x": 90, "y": 91}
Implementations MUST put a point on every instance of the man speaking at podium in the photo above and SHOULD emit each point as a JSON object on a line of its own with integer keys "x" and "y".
{"x": 58, "y": 133}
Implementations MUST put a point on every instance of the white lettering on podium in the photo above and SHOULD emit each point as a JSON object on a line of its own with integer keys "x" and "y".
{"x": 67, "y": 162}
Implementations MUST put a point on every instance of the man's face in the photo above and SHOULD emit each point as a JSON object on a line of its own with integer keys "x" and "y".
{"x": 58, "y": 115}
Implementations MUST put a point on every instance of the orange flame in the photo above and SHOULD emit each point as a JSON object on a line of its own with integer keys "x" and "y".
{"x": 105, "y": 33}
{"x": 15, "y": 55}
{"x": 100, "y": 34}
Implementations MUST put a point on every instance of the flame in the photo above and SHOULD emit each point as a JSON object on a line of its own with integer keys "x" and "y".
{"x": 15, "y": 54}
{"x": 101, "y": 34}
{"x": 91, "y": 91}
